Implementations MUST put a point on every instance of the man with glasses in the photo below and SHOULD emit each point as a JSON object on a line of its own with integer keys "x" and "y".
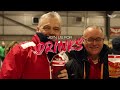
{"x": 92, "y": 61}
{"x": 24, "y": 61}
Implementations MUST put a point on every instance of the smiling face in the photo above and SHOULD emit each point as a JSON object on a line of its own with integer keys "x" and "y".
{"x": 93, "y": 40}
{"x": 50, "y": 27}
{"x": 50, "y": 24}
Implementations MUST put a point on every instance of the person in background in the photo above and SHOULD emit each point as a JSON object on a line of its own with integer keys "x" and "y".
{"x": 92, "y": 61}
{"x": 2, "y": 51}
{"x": 116, "y": 46}
{"x": 22, "y": 61}
{"x": 115, "y": 50}
{"x": 10, "y": 46}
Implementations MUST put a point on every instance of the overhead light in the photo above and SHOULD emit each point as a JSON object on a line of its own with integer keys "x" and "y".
{"x": 112, "y": 15}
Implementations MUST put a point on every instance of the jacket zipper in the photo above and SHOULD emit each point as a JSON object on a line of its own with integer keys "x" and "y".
{"x": 50, "y": 70}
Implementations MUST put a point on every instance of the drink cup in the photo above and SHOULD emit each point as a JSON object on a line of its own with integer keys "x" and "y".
{"x": 58, "y": 63}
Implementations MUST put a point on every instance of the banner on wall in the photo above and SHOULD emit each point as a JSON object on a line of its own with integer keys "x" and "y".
{"x": 114, "y": 31}
{"x": 114, "y": 66}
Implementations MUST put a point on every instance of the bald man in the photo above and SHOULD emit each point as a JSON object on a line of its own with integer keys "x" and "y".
{"x": 92, "y": 61}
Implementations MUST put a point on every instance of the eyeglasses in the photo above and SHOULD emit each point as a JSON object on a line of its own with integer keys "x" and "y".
{"x": 91, "y": 40}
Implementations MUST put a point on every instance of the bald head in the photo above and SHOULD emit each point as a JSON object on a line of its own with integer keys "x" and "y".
{"x": 93, "y": 40}
{"x": 93, "y": 31}
{"x": 3, "y": 44}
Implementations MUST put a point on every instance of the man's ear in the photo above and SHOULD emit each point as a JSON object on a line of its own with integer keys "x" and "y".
{"x": 37, "y": 29}
{"x": 60, "y": 32}
{"x": 83, "y": 39}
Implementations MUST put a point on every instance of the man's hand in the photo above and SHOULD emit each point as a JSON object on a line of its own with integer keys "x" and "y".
{"x": 63, "y": 74}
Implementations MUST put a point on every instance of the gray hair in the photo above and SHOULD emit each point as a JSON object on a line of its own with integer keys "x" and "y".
{"x": 51, "y": 15}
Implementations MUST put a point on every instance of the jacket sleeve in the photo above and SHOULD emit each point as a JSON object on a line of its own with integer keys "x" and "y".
{"x": 74, "y": 69}
{"x": 13, "y": 64}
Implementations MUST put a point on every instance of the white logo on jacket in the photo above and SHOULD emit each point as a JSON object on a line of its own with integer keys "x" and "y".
{"x": 28, "y": 44}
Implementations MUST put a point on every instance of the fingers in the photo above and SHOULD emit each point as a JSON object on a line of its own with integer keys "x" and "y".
{"x": 63, "y": 74}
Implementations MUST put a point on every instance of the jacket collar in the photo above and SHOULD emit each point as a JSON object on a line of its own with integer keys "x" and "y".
{"x": 39, "y": 37}
{"x": 83, "y": 54}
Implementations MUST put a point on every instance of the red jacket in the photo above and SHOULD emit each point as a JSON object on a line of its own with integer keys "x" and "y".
{"x": 22, "y": 63}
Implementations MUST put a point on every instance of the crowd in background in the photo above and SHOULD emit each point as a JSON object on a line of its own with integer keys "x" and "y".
{"x": 4, "y": 49}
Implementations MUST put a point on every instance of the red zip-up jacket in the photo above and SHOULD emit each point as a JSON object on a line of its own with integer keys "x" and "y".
{"x": 22, "y": 63}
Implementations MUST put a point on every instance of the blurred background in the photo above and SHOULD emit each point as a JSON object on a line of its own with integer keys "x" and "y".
{"x": 21, "y": 25}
